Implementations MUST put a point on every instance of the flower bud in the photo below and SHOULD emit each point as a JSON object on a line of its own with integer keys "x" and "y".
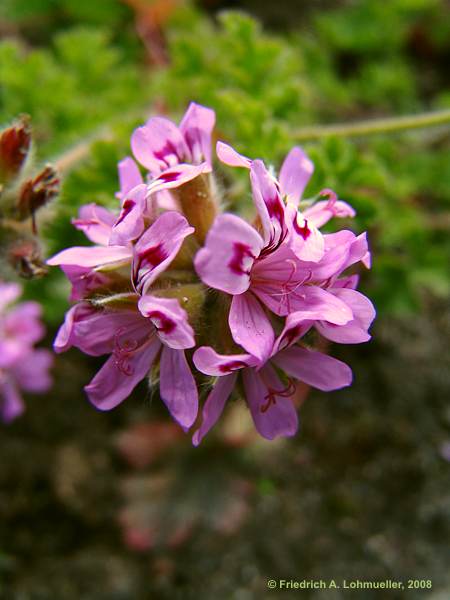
{"x": 14, "y": 147}
{"x": 198, "y": 204}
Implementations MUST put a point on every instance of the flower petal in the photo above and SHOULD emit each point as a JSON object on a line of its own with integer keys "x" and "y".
{"x": 129, "y": 176}
{"x": 32, "y": 372}
{"x": 91, "y": 256}
{"x": 8, "y": 293}
{"x": 230, "y": 157}
{"x": 197, "y": 126}
{"x": 250, "y": 326}
{"x": 130, "y": 224}
{"x": 356, "y": 330}
{"x": 11, "y": 403}
{"x": 214, "y": 405}
{"x": 305, "y": 240}
{"x": 112, "y": 384}
{"x": 157, "y": 248}
{"x": 209, "y": 362}
{"x": 95, "y": 222}
{"x": 314, "y": 368}
{"x": 273, "y": 413}
{"x": 96, "y": 332}
{"x": 84, "y": 281}
{"x": 159, "y": 145}
{"x": 175, "y": 177}
{"x": 170, "y": 321}
{"x": 321, "y": 212}
{"x": 268, "y": 203}
{"x": 295, "y": 173}
{"x": 230, "y": 249}
{"x": 313, "y": 299}
{"x": 177, "y": 387}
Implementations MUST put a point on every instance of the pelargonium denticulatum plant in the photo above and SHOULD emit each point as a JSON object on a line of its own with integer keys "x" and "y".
{"x": 178, "y": 290}
{"x": 22, "y": 366}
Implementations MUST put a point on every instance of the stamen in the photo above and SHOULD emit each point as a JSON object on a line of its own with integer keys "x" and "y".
{"x": 272, "y": 394}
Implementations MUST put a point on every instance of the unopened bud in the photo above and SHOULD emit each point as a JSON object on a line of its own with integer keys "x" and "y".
{"x": 14, "y": 146}
{"x": 25, "y": 257}
{"x": 37, "y": 192}
{"x": 198, "y": 204}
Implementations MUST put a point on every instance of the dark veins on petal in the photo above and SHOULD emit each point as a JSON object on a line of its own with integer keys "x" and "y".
{"x": 166, "y": 150}
{"x": 275, "y": 208}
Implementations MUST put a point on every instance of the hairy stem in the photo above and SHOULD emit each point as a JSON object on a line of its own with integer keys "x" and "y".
{"x": 374, "y": 126}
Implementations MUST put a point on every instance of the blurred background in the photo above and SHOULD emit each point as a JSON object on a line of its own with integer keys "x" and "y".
{"x": 119, "y": 505}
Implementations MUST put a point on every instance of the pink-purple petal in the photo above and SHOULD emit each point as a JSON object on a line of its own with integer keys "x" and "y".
{"x": 95, "y": 222}
{"x": 321, "y": 212}
{"x": 250, "y": 326}
{"x": 314, "y": 368}
{"x": 170, "y": 320}
{"x": 230, "y": 250}
{"x": 197, "y": 126}
{"x": 304, "y": 239}
{"x": 130, "y": 224}
{"x": 129, "y": 176}
{"x": 91, "y": 256}
{"x": 159, "y": 145}
{"x": 356, "y": 330}
{"x": 178, "y": 389}
{"x": 230, "y": 157}
{"x": 11, "y": 403}
{"x": 268, "y": 203}
{"x": 114, "y": 383}
{"x": 208, "y": 361}
{"x": 272, "y": 410}
{"x": 214, "y": 405}
{"x": 295, "y": 173}
{"x": 157, "y": 248}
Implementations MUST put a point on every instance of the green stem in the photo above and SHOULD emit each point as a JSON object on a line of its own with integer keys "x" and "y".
{"x": 362, "y": 128}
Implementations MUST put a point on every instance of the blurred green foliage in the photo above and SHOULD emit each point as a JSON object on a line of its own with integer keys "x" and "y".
{"x": 358, "y": 60}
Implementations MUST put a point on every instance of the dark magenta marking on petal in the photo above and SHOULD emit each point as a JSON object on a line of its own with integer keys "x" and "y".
{"x": 163, "y": 324}
{"x": 240, "y": 251}
{"x": 231, "y": 366}
{"x": 292, "y": 334}
{"x": 166, "y": 150}
{"x": 167, "y": 177}
{"x": 153, "y": 255}
{"x": 304, "y": 231}
{"x": 127, "y": 207}
{"x": 275, "y": 209}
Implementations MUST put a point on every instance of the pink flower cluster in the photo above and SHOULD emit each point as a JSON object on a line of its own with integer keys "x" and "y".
{"x": 22, "y": 367}
{"x": 165, "y": 269}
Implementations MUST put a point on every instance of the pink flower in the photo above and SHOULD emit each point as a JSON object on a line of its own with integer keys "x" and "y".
{"x": 152, "y": 254}
{"x": 268, "y": 397}
{"x": 288, "y": 267}
{"x": 135, "y": 338}
{"x": 160, "y": 145}
{"x": 173, "y": 156}
{"x": 282, "y": 273}
{"x": 22, "y": 367}
{"x": 86, "y": 266}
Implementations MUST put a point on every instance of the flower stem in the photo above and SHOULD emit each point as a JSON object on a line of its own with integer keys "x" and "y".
{"x": 374, "y": 126}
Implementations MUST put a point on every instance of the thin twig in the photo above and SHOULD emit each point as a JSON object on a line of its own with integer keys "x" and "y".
{"x": 363, "y": 128}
